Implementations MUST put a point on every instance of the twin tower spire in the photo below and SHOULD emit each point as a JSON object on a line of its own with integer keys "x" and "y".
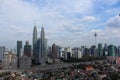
{"x": 35, "y": 34}
{"x": 39, "y": 46}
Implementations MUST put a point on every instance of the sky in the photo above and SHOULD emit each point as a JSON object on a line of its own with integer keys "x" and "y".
{"x": 66, "y": 22}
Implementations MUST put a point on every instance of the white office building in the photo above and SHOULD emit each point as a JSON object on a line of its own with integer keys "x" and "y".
{"x": 76, "y": 53}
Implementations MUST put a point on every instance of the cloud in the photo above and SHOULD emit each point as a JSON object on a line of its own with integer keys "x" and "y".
{"x": 89, "y": 19}
{"x": 16, "y": 29}
{"x": 18, "y": 11}
{"x": 96, "y": 30}
{"x": 73, "y": 29}
{"x": 65, "y": 21}
{"x": 113, "y": 22}
{"x": 66, "y": 6}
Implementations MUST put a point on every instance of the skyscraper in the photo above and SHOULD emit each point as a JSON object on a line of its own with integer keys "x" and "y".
{"x": 83, "y": 50}
{"x": 111, "y": 50}
{"x": 39, "y": 47}
{"x": 95, "y": 53}
{"x": 92, "y": 51}
{"x": 42, "y": 47}
{"x": 19, "y": 47}
{"x": 118, "y": 50}
{"x": 34, "y": 42}
{"x": 2, "y": 51}
{"x": 27, "y": 49}
{"x": 105, "y": 50}
{"x": 100, "y": 50}
{"x": 54, "y": 52}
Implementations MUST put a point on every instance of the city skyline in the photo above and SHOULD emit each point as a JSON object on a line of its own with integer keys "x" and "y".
{"x": 66, "y": 23}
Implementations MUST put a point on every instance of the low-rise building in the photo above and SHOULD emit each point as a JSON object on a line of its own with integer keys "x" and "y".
{"x": 113, "y": 59}
{"x": 89, "y": 68}
{"x": 25, "y": 62}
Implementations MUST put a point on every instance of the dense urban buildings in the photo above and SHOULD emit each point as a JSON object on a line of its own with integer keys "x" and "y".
{"x": 80, "y": 40}
{"x": 66, "y": 62}
{"x": 40, "y": 53}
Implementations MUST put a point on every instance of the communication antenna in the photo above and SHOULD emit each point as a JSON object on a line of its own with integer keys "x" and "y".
{"x": 95, "y": 34}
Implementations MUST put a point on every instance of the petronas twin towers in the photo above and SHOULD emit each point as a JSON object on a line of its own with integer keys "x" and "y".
{"x": 39, "y": 46}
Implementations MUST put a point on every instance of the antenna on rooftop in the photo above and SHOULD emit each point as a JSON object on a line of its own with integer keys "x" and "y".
{"x": 95, "y": 34}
